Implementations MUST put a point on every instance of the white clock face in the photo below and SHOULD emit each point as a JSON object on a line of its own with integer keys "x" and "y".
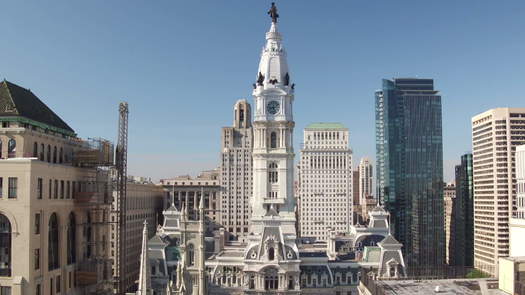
{"x": 273, "y": 107}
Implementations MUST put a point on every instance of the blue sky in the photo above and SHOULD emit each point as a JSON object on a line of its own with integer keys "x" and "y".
{"x": 181, "y": 65}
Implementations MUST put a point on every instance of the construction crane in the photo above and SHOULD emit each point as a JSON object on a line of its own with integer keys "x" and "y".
{"x": 121, "y": 166}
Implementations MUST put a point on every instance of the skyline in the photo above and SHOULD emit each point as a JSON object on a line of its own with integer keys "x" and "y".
{"x": 161, "y": 71}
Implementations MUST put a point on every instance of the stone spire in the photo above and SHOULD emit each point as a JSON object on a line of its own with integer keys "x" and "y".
{"x": 200, "y": 256}
{"x": 273, "y": 67}
{"x": 145, "y": 270}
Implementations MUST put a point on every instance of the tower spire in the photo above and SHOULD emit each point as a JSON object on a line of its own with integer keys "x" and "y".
{"x": 145, "y": 271}
{"x": 273, "y": 67}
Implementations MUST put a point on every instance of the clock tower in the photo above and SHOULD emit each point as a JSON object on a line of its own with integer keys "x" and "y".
{"x": 271, "y": 260}
{"x": 273, "y": 153}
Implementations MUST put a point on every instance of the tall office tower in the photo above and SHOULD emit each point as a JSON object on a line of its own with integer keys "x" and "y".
{"x": 236, "y": 175}
{"x": 326, "y": 180}
{"x": 356, "y": 208}
{"x": 410, "y": 166}
{"x": 54, "y": 202}
{"x": 144, "y": 202}
{"x": 449, "y": 197}
{"x": 517, "y": 222}
{"x": 365, "y": 180}
{"x": 355, "y": 187}
{"x": 495, "y": 135}
{"x": 461, "y": 246}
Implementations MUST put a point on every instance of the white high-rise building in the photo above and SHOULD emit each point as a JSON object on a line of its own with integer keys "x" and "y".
{"x": 325, "y": 180}
{"x": 517, "y": 222}
{"x": 236, "y": 176}
{"x": 495, "y": 135}
{"x": 365, "y": 180}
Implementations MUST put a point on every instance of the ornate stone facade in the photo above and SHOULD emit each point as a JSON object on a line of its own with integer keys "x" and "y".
{"x": 187, "y": 258}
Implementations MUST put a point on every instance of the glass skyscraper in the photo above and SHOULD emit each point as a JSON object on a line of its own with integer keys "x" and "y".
{"x": 461, "y": 246}
{"x": 410, "y": 166}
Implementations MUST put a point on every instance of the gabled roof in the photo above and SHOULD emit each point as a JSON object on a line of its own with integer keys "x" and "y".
{"x": 16, "y": 101}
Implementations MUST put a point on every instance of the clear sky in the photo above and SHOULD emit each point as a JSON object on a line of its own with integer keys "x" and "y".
{"x": 181, "y": 65}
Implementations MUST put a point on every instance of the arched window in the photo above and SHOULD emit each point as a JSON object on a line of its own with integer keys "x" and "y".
{"x": 273, "y": 140}
{"x": 271, "y": 279}
{"x": 252, "y": 282}
{"x": 271, "y": 254}
{"x": 5, "y": 246}
{"x": 71, "y": 239}
{"x": 291, "y": 283}
{"x": 11, "y": 148}
{"x": 52, "y": 250}
{"x": 42, "y": 151}
{"x": 61, "y": 156}
{"x": 191, "y": 255}
{"x": 49, "y": 153}
{"x": 35, "y": 150}
{"x": 54, "y": 154}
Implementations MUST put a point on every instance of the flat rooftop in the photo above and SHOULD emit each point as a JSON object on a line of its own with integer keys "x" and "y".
{"x": 446, "y": 287}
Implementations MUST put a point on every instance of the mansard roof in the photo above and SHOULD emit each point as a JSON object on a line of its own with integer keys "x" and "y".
{"x": 389, "y": 240}
{"x": 156, "y": 240}
{"x": 21, "y": 103}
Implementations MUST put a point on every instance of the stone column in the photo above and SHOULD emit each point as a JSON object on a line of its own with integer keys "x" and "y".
{"x": 195, "y": 201}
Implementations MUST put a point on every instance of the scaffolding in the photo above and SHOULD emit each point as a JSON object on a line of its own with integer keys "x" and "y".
{"x": 94, "y": 152}
{"x": 93, "y": 195}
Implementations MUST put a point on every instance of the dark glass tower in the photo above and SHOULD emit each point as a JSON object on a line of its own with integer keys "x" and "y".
{"x": 461, "y": 246}
{"x": 410, "y": 167}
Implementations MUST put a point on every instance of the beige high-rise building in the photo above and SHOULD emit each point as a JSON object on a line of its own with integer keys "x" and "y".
{"x": 325, "y": 181}
{"x": 449, "y": 195}
{"x": 236, "y": 176}
{"x": 365, "y": 180}
{"x": 185, "y": 190}
{"x": 517, "y": 222}
{"x": 144, "y": 202}
{"x": 54, "y": 202}
{"x": 495, "y": 135}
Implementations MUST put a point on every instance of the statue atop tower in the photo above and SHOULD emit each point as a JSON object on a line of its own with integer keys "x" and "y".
{"x": 273, "y": 13}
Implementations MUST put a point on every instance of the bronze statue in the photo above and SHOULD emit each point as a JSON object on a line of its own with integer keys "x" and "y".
{"x": 260, "y": 79}
{"x": 273, "y": 13}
